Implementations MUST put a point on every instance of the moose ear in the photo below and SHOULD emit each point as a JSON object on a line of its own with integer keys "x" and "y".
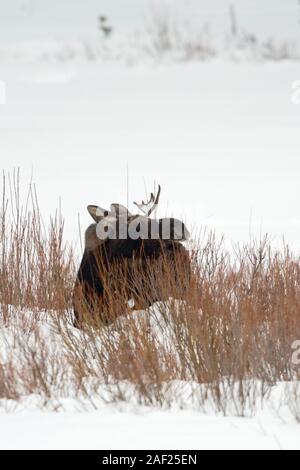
{"x": 119, "y": 210}
{"x": 98, "y": 213}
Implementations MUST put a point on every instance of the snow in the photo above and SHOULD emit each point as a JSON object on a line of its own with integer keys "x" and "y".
{"x": 227, "y": 134}
{"x": 110, "y": 428}
{"x": 23, "y": 19}
{"x": 68, "y": 421}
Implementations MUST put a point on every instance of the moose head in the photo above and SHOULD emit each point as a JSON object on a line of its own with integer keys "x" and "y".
{"x": 119, "y": 224}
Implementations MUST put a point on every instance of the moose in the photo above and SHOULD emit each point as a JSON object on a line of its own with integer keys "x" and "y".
{"x": 129, "y": 257}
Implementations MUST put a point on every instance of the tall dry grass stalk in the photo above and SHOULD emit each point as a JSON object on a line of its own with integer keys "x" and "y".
{"x": 225, "y": 340}
{"x": 36, "y": 266}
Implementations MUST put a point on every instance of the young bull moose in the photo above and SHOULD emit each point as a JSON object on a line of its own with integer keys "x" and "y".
{"x": 129, "y": 257}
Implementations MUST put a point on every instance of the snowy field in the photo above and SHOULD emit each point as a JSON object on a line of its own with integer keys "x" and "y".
{"x": 66, "y": 420}
{"x": 221, "y": 136}
{"x": 228, "y": 136}
{"x": 111, "y": 429}
{"x": 226, "y": 132}
{"x": 33, "y": 20}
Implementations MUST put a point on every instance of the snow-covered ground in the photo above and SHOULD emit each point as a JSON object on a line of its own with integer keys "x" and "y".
{"x": 67, "y": 420}
{"x": 109, "y": 428}
{"x": 22, "y": 20}
{"x": 70, "y": 422}
{"x": 222, "y": 139}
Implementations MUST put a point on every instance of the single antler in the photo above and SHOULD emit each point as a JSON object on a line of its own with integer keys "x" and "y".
{"x": 148, "y": 207}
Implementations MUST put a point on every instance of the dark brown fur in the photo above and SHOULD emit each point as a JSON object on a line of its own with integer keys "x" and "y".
{"x": 133, "y": 269}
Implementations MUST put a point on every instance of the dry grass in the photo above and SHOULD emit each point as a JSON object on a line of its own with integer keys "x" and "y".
{"x": 37, "y": 267}
{"x": 226, "y": 342}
